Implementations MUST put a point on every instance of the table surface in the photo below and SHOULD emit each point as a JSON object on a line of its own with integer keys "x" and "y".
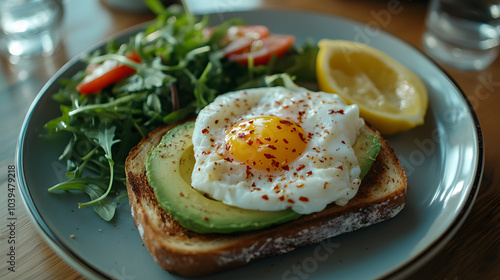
{"x": 473, "y": 253}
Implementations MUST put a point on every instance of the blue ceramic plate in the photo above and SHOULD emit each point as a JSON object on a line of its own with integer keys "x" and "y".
{"x": 443, "y": 160}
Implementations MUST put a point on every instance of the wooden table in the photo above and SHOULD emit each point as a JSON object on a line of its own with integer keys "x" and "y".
{"x": 472, "y": 254}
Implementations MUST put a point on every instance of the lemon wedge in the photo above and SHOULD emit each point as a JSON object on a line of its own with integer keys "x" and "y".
{"x": 390, "y": 96}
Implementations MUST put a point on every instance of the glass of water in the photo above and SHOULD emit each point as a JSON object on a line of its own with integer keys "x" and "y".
{"x": 464, "y": 34}
{"x": 29, "y": 28}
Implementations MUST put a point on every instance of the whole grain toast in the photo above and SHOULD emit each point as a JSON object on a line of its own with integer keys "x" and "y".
{"x": 381, "y": 196}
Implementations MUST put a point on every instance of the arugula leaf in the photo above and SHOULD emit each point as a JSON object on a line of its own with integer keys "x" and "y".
{"x": 104, "y": 138}
{"x": 304, "y": 63}
{"x": 94, "y": 187}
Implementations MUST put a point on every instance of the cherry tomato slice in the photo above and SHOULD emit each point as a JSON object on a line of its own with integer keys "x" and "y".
{"x": 262, "y": 50}
{"x": 239, "y": 38}
{"x": 105, "y": 74}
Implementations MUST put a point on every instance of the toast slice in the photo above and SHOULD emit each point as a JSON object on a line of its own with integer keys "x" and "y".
{"x": 381, "y": 196}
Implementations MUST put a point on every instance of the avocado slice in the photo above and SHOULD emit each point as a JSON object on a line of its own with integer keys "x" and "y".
{"x": 169, "y": 166}
{"x": 366, "y": 149}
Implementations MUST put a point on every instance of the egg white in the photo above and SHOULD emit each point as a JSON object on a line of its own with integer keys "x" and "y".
{"x": 327, "y": 171}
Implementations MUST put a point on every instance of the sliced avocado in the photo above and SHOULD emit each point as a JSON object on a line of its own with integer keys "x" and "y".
{"x": 366, "y": 149}
{"x": 169, "y": 167}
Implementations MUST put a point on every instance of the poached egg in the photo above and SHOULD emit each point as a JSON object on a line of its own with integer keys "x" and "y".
{"x": 276, "y": 148}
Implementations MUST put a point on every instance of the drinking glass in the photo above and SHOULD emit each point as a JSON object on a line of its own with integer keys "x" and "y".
{"x": 464, "y": 34}
{"x": 29, "y": 28}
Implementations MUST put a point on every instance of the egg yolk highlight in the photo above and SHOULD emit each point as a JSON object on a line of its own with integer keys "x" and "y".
{"x": 267, "y": 143}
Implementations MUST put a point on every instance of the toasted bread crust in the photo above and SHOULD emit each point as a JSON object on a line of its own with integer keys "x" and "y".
{"x": 381, "y": 196}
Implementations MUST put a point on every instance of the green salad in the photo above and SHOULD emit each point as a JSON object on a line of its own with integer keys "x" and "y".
{"x": 162, "y": 75}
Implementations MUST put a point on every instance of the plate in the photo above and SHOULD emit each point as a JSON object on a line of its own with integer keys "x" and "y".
{"x": 443, "y": 160}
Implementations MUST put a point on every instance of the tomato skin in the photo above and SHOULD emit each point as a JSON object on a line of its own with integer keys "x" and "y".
{"x": 274, "y": 44}
{"x": 239, "y": 31}
{"x": 110, "y": 76}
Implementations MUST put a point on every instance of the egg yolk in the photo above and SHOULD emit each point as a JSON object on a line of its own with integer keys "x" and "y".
{"x": 267, "y": 143}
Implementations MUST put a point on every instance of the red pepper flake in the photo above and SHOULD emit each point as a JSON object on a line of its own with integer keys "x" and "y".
{"x": 268, "y": 156}
{"x": 300, "y": 186}
{"x": 279, "y": 127}
{"x": 249, "y": 173}
{"x": 285, "y": 167}
{"x": 301, "y": 167}
{"x": 272, "y": 147}
{"x": 265, "y": 197}
{"x": 341, "y": 167}
{"x": 259, "y": 142}
{"x": 302, "y": 138}
{"x": 241, "y": 135}
{"x": 250, "y": 142}
{"x": 212, "y": 140}
{"x": 304, "y": 199}
{"x": 286, "y": 141}
{"x": 204, "y": 131}
{"x": 228, "y": 159}
{"x": 324, "y": 185}
{"x": 285, "y": 122}
{"x": 281, "y": 198}
{"x": 343, "y": 142}
{"x": 268, "y": 139}
{"x": 309, "y": 173}
{"x": 335, "y": 112}
{"x": 206, "y": 218}
{"x": 290, "y": 200}
{"x": 181, "y": 194}
{"x": 216, "y": 121}
{"x": 294, "y": 150}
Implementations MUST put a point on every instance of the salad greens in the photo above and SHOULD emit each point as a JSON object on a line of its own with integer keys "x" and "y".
{"x": 180, "y": 72}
